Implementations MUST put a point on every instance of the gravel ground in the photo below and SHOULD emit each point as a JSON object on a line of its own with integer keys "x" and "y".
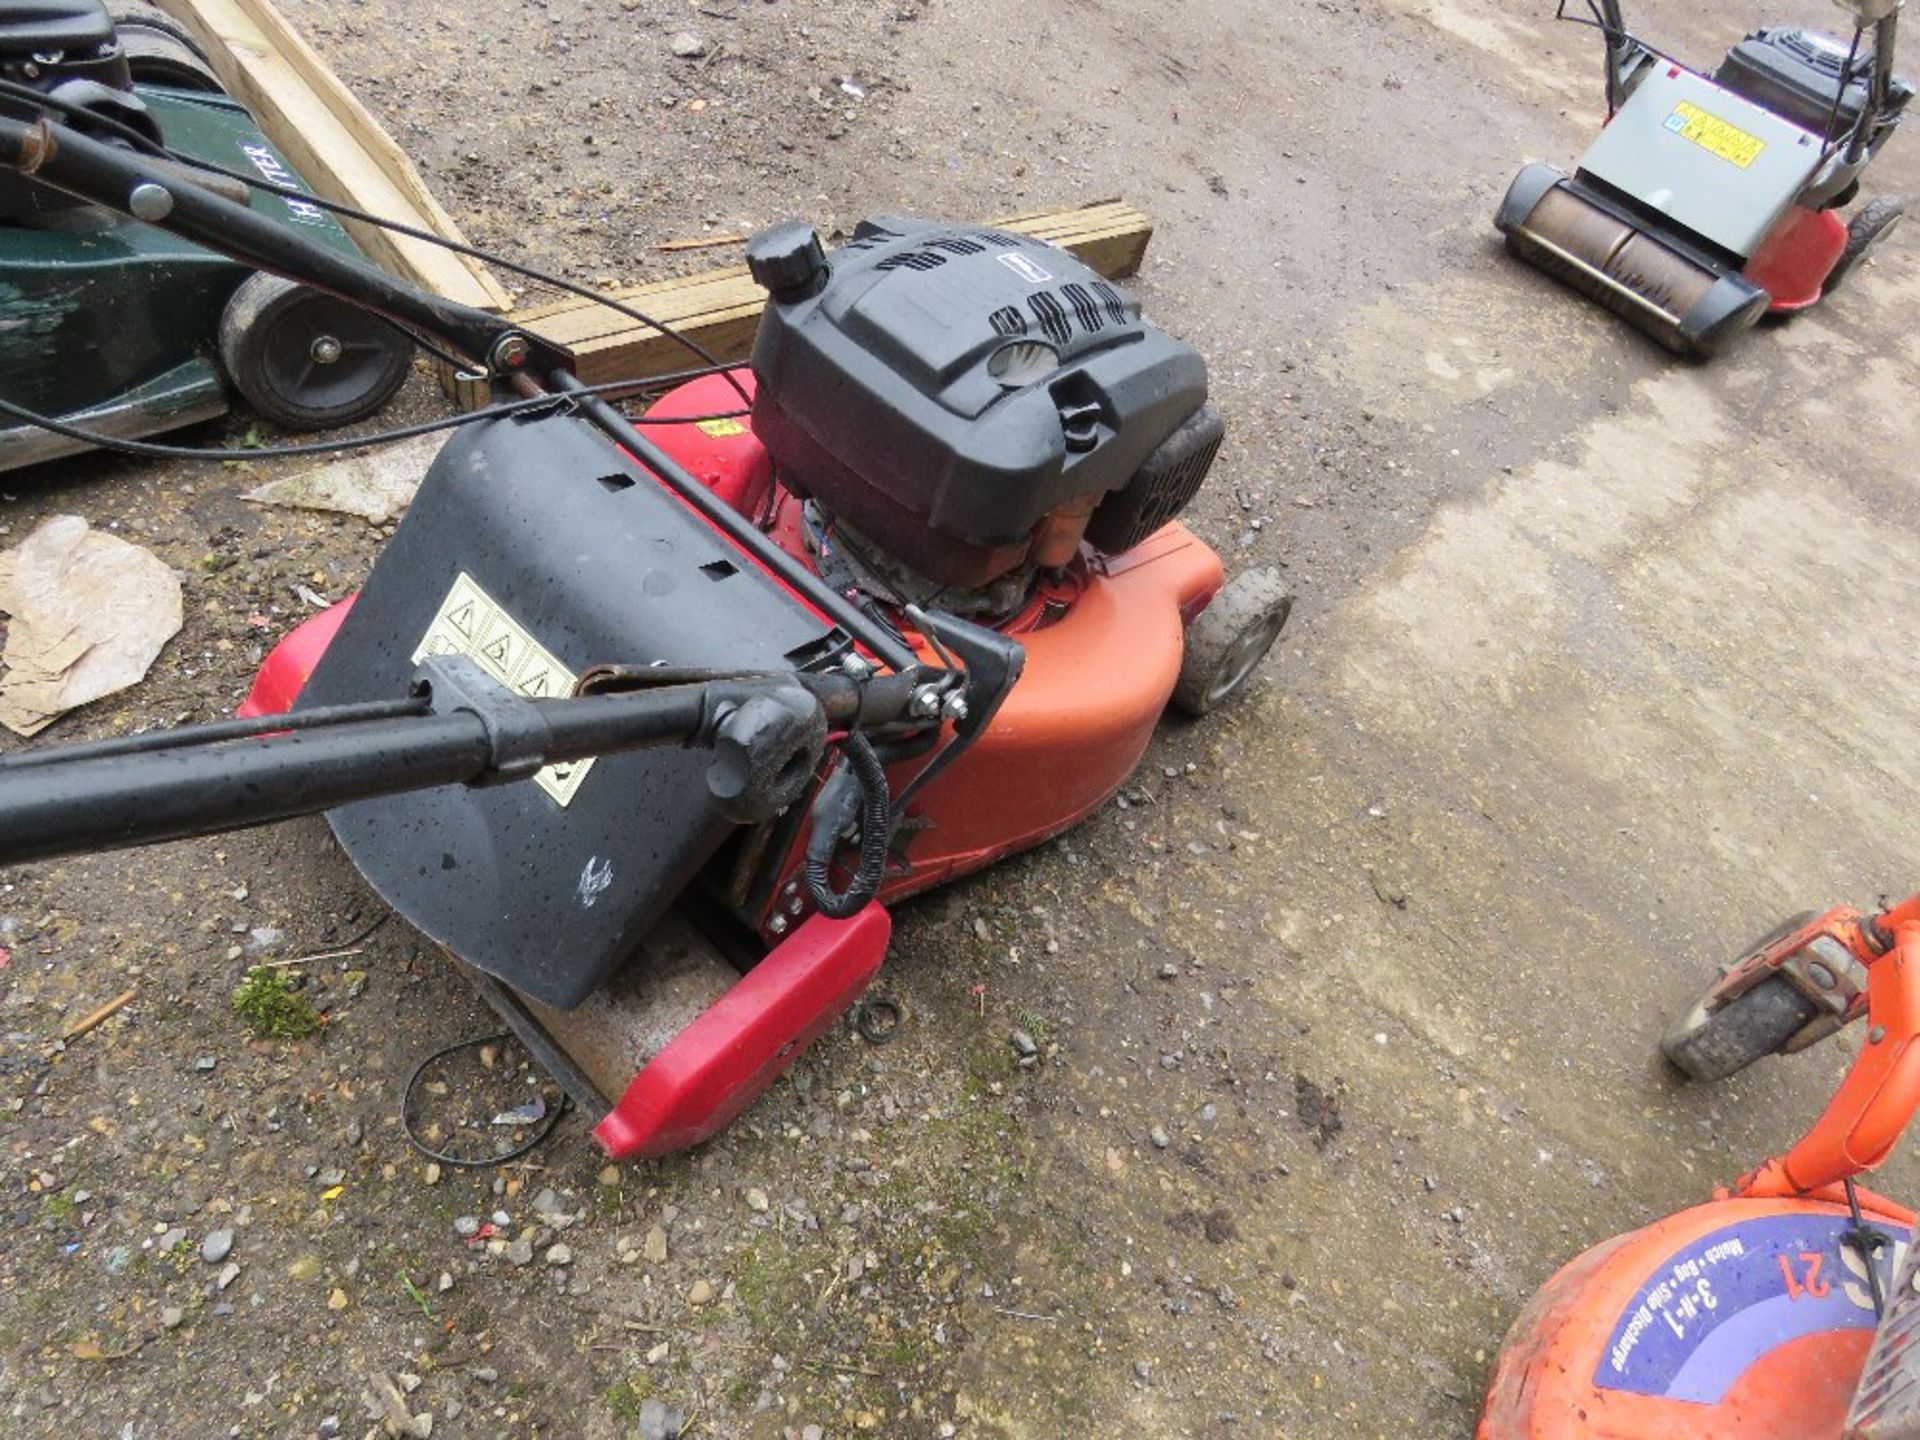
{"x": 1345, "y": 1009}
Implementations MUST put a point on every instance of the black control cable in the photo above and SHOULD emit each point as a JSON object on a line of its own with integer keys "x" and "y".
{"x": 860, "y": 785}
{"x": 26, "y": 94}
{"x": 1869, "y": 1240}
{"x": 147, "y": 449}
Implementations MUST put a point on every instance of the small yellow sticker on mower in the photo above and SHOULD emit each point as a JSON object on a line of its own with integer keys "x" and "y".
{"x": 471, "y": 622}
{"x": 721, "y": 428}
{"x": 1715, "y": 135}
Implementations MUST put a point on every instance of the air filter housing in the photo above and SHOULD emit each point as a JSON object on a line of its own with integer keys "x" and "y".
{"x": 970, "y": 400}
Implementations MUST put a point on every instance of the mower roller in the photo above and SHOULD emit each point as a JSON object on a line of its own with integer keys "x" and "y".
{"x": 906, "y": 595}
{"x": 117, "y": 326}
{"x": 1788, "y": 1307}
{"x": 1711, "y": 200}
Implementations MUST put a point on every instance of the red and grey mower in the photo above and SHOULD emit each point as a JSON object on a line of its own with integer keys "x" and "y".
{"x": 1788, "y": 1307}
{"x": 906, "y": 597}
{"x": 1711, "y": 200}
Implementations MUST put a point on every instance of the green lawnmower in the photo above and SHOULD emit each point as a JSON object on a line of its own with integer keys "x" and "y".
{"x": 116, "y": 326}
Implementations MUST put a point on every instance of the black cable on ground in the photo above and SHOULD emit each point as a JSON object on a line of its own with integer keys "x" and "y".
{"x": 462, "y": 1162}
{"x": 878, "y": 1020}
{"x": 366, "y": 934}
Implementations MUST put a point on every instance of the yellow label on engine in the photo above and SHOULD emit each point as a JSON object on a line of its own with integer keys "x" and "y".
{"x": 723, "y": 427}
{"x": 1715, "y": 135}
{"x": 471, "y": 622}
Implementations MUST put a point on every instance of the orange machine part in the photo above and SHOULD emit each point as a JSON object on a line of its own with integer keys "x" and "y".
{"x": 1793, "y": 263}
{"x": 1100, "y": 668}
{"x": 1866, "y": 1117}
{"x": 1078, "y": 720}
{"x": 1741, "y": 1319}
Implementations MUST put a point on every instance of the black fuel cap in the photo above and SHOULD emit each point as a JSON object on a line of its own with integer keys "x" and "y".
{"x": 787, "y": 260}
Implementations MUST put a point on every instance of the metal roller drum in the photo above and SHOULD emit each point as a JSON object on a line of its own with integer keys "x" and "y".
{"x": 1687, "y": 306}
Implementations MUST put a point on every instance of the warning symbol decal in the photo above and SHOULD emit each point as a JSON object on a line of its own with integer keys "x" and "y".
{"x": 470, "y": 622}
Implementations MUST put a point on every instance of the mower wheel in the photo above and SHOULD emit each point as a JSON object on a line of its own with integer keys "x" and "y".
{"x": 305, "y": 360}
{"x": 1226, "y": 644}
{"x": 1865, "y": 231}
{"x": 160, "y": 50}
{"x": 1711, "y": 1046}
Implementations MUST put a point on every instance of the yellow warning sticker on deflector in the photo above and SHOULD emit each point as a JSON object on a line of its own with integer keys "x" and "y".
{"x": 1715, "y": 135}
{"x": 471, "y": 622}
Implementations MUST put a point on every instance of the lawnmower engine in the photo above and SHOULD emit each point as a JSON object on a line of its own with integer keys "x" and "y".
{"x": 967, "y": 434}
{"x": 964, "y": 407}
{"x": 122, "y": 328}
{"x": 1708, "y": 201}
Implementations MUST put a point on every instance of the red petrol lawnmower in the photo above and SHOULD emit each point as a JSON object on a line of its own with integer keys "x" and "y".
{"x": 914, "y": 586}
{"x": 1788, "y": 1307}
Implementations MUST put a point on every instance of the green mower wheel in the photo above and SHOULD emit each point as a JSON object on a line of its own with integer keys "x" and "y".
{"x": 305, "y": 360}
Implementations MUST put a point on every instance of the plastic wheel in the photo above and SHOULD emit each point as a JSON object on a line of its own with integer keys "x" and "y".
{"x": 161, "y": 51}
{"x": 1865, "y": 233}
{"x": 1230, "y": 639}
{"x": 305, "y": 360}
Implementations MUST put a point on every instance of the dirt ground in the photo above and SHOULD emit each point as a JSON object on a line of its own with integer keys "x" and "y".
{"x": 1599, "y": 667}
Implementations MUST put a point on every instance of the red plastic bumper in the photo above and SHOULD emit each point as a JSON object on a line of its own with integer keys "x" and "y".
{"x": 284, "y": 675}
{"x": 718, "y": 1065}
{"x": 1793, "y": 264}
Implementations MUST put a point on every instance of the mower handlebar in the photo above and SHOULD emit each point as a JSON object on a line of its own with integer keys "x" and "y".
{"x": 121, "y": 179}
{"x": 151, "y": 191}
{"x": 767, "y": 734}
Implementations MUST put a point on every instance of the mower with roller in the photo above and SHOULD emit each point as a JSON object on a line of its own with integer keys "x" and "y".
{"x": 1711, "y": 200}
{"x": 649, "y": 721}
{"x": 1788, "y": 1307}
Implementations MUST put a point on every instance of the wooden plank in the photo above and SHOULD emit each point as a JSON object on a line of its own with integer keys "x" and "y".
{"x": 339, "y": 149}
{"x": 720, "y": 309}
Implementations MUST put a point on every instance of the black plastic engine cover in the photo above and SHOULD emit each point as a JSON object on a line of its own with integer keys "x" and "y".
{"x": 948, "y": 386}
{"x": 1795, "y": 73}
{"x": 541, "y": 549}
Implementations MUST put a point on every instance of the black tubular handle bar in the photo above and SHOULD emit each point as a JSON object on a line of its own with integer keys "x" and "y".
{"x": 121, "y": 180}
{"x": 461, "y": 728}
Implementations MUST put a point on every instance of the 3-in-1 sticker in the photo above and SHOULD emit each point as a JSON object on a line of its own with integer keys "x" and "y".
{"x": 1715, "y": 1307}
{"x": 1715, "y": 135}
{"x": 471, "y": 622}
